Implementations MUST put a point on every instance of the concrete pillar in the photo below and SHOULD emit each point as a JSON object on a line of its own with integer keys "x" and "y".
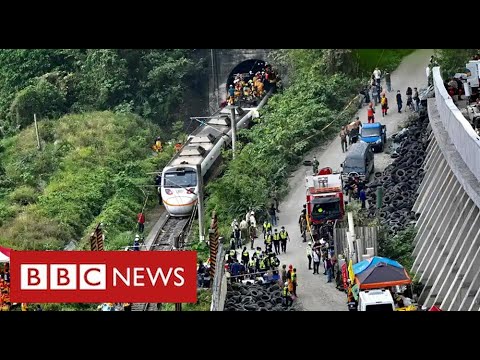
{"x": 439, "y": 208}
{"x": 459, "y": 267}
{"x": 474, "y": 273}
{"x": 460, "y": 247}
{"x": 441, "y": 185}
{"x": 466, "y": 274}
{"x": 451, "y": 208}
{"x": 426, "y": 185}
{"x": 451, "y": 248}
{"x": 475, "y": 306}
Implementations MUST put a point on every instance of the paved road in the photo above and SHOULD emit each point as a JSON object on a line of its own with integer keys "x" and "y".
{"x": 314, "y": 292}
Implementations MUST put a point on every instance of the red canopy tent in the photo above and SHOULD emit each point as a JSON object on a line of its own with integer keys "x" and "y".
{"x": 4, "y": 255}
{"x": 435, "y": 308}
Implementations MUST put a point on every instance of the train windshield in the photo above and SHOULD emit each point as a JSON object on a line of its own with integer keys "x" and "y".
{"x": 184, "y": 178}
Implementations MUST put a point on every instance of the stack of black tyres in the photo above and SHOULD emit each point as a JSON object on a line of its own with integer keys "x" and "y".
{"x": 401, "y": 179}
{"x": 254, "y": 297}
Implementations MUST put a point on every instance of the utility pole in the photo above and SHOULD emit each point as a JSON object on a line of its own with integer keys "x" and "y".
{"x": 234, "y": 128}
{"x": 200, "y": 202}
{"x": 36, "y": 131}
{"x": 215, "y": 78}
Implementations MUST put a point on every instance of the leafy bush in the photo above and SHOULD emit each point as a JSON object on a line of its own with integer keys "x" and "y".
{"x": 452, "y": 61}
{"x": 399, "y": 247}
{"x": 24, "y": 195}
{"x": 43, "y": 99}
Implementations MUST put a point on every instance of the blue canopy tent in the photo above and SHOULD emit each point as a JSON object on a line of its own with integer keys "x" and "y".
{"x": 380, "y": 272}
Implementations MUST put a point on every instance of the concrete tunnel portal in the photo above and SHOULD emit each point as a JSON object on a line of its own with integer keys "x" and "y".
{"x": 245, "y": 67}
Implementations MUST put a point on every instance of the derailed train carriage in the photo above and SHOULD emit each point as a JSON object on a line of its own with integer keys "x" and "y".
{"x": 179, "y": 181}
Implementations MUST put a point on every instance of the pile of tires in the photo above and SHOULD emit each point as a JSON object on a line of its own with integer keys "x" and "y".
{"x": 254, "y": 297}
{"x": 401, "y": 179}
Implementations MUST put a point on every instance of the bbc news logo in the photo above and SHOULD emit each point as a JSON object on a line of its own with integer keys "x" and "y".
{"x": 106, "y": 276}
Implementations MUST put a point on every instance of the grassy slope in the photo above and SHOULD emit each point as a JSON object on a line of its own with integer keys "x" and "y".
{"x": 91, "y": 169}
{"x": 387, "y": 59}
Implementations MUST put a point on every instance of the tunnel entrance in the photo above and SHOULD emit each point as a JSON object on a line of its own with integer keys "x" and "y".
{"x": 245, "y": 67}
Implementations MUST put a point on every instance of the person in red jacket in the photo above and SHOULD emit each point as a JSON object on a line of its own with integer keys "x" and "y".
{"x": 141, "y": 222}
{"x": 370, "y": 112}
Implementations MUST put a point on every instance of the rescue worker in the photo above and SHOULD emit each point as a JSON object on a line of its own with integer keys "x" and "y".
{"x": 252, "y": 265}
{"x": 261, "y": 264}
{"x": 273, "y": 215}
{"x": 252, "y": 236}
{"x": 178, "y": 147}
{"x": 286, "y": 295}
{"x": 253, "y": 223}
{"x": 244, "y": 230}
{"x": 315, "y": 165}
{"x": 276, "y": 242}
{"x": 267, "y": 226}
{"x": 24, "y": 307}
{"x": 343, "y": 139}
{"x": 370, "y": 114}
{"x": 309, "y": 255}
{"x": 293, "y": 279}
{"x": 136, "y": 243}
{"x": 274, "y": 262}
{"x": 231, "y": 95}
{"x": 234, "y": 224}
{"x": 141, "y": 222}
{"x": 268, "y": 241}
{"x": 283, "y": 239}
{"x": 283, "y": 274}
{"x": 127, "y": 306}
{"x": 245, "y": 256}
{"x": 158, "y": 147}
{"x": 384, "y": 103}
{"x": 233, "y": 255}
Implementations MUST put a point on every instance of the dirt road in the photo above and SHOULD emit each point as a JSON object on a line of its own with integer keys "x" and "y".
{"x": 314, "y": 292}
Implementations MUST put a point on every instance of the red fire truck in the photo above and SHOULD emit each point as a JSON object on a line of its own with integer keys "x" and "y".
{"x": 324, "y": 197}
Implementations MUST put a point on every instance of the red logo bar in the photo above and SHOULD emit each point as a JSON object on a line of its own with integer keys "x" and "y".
{"x": 103, "y": 276}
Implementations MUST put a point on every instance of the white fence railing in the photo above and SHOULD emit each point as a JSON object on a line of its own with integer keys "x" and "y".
{"x": 459, "y": 129}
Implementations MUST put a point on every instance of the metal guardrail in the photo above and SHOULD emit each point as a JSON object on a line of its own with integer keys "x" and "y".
{"x": 463, "y": 136}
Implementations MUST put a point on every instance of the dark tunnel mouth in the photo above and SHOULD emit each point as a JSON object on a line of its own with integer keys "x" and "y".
{"x": 246, "y": 66}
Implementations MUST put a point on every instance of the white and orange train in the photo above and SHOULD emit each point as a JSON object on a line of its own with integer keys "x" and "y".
{"x": 179, "y": 184}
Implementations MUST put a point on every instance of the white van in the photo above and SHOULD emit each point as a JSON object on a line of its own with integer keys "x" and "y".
{"x": 375, "y": 300}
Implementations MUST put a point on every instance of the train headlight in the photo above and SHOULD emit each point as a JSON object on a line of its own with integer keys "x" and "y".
{"x": 169, "y": 192}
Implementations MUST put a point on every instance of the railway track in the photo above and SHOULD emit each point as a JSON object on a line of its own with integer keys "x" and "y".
{"x": 170, "y": 237}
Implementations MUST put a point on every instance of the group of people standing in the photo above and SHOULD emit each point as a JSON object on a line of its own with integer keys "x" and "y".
{"x": 250, "y": 87}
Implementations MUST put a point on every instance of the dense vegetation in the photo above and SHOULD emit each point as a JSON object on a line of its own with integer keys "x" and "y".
{"x": 92, "y": 168}
{"x": 52, "y": 82}
{"x": 452, "y": 61}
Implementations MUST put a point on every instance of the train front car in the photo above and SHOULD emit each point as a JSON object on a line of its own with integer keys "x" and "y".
{"x": 179, "y": 189}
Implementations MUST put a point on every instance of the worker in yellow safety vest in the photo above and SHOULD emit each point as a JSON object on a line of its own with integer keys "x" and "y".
{"x": 283, "y": 238}
{"x": 276, "y": 242}
{"x": 268, "y": 242}
{"x": 286, "y": 295}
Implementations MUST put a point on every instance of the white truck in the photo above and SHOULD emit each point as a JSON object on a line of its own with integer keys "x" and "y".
{"x": 375, "y": 300}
